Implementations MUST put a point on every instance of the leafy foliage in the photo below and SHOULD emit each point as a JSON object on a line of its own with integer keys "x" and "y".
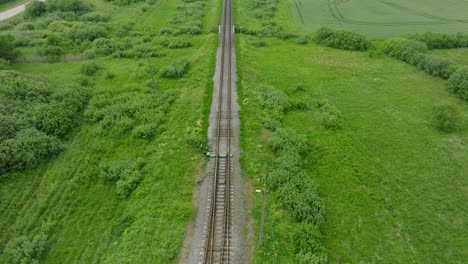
{"x": 176, "y": 70}
{"x": 445, "y": 118}
{"x": 342, "y": 39}
{"x": 441, "y": 40}
{"x": 75, "y": 6}
{"x": 89, "y": 68}
{"x": 458, "y": 83}
{"x": 35, "y": 9}
{"x": 330, "y": 116}
{"x": 32, "y": 117}
{"x": 7, "y": 47}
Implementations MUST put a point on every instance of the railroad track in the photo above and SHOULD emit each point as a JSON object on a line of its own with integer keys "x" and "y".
{"x": 217, "y": 233}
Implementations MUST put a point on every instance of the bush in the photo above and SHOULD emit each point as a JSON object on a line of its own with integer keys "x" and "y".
{"x": 165, "y": 31}
{"x": 87, "y": 32}
{"x": 75, "y": 6}
{"x": 177, "y": 70}
{"x": 53, "y": 53}
{"x": 89, "y": 68}
{"x": 441, "y": 40}
{"x": 146, "y": 131}
{"x": 342, "y": 39}
{"x": 445, "y": 118}
{"x": 287, "y": 140}
{"x": 259, "y": 43}
{"x": 458, "y": 83}
{"x": 178, "y": 44}
{"x": 4, "y": 64}
{"x": 330, "y": 116}
{"x": 273, "y": 99}
{"x": 190, "y": 30}
{"x": 35, "y": 9}
{"x": 302, "y": 40}
{"x": 403, "y": 49}
{"x": 285, "y": 35}
{"x": 103, "y": 46}
{"x": 26, "y": 251}
{"x": 95, "y": 17}
{"x": 435, "y": 66}
{"x": 7, "y": 47}
{"x": 27, "y": 149}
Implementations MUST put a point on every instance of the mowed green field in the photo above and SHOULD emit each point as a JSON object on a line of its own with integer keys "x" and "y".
{"x": 394, "y": 187}
{"x": 382, "y": 18}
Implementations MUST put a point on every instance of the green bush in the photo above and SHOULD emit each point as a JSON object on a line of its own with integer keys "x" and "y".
{"x": 165, "y": 31}
{"x": 146, "y": 131}
{"x": 87, "y": 32}
{"x": 177, "y": 70}
{"x": 95, "y": 17}
{"x": 342, "y": 39}
{"x": 441, "y": 40}
{"x": 53, "y": 53}
{"x": 285, "y": 35}
{"x": 287, "y": 140}
{"x": 259, "y": 43}
{"x": 435, "y": 66}
{"x": 190, "y": 30}
{"x": 27, "y": 149}
{"x": 330, "y": 116}
{"x": 89, "y": 68}
{"x": 75, "y": 6}
{"x": 103, "y": 46}
{"x": 126, "y": 175}
{"x": 35, "y": 9}
{"x": 302, "y": 40}
{"x": 4, "y": 64}
{"x": 26, "y": 251}
{"x": 178, "y": 44}
{"x": 458, "y": 83}
{"x": 445, "y": 118}
{"x": 273, "y": 99}
{"x": 7, "y": 47}
{"x": 403, "y": 49}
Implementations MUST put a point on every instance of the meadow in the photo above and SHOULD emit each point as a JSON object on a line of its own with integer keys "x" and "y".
{"x": 121, "y": 189}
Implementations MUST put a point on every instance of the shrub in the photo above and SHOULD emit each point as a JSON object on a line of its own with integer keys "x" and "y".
{"x": 302, "y": 40}
{"x": 87, "y": 32}
{"x": 95, "y": 17}
{"x": 330, "y": 116}
{"x": 75, "y": 6}
{"x": 445, "y": 118}
{"x": 179, "y": 44}
{"x": 35, "y": 9}
{"x": 165, "y": 31}
{"x": 271, "y": 123}
{"x": 307, "y": 238}
{"x": 177, "y": 70}
{"x": 435, "y": 66}
{"x": 285, "y": 35}
{"x": 441, "y": 40}
{"x": 145, "y": 131}
{"x": 53, "y": 53}
{"x": 342, "y": 39}
{"x": 103, "y": 46}
{"x": 7, "y": 47}
{"x": 26, "y": 251}
{"x": 403, "y": 49}
{"x": 4, "y": 64}
{"x": 273, "y": 99}
{"x": 259, "y": 43}
{"x": 458, "y": 83}
{"x": 190, "y": 30}
{"x": 287, "y": 140}
{"x": 110, "y": 75}
{"x": 89, "y": 68}
{"x": 299, "y": 87}
{"x": 27, "y": 149}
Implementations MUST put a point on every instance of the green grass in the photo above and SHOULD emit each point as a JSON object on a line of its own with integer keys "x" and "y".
{"x": 381, "y": 18}
{"x": 90, "y": 223}
{"x": 393, "y": 185}
{"x": 459, "y": 56}
{"x": 10, "y": 4}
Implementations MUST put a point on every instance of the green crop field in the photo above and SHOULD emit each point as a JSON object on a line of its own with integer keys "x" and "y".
{"x": 382, "y": 18}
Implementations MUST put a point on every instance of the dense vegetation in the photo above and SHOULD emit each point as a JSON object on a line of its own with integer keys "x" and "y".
{"x": 342, "y": 39}
{"x": 124, "y": 173}
{"x": 32, "y": 118}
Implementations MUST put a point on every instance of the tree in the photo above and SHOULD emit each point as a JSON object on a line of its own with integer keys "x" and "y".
{"x": 35, "y": 9}
{"x": 7, "y": 47}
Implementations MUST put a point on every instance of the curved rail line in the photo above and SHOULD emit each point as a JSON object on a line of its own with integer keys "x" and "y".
{"x": 217, "y": 243}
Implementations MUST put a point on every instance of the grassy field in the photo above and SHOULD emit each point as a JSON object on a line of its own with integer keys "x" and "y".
{"x": 85, "y": 220}
{"x": 381, "y": 18}
{"x": 394, "y": 186}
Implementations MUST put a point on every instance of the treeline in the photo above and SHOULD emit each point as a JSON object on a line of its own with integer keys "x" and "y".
{"x": 287, "y": 181}
{"x": 33, "y": 118}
